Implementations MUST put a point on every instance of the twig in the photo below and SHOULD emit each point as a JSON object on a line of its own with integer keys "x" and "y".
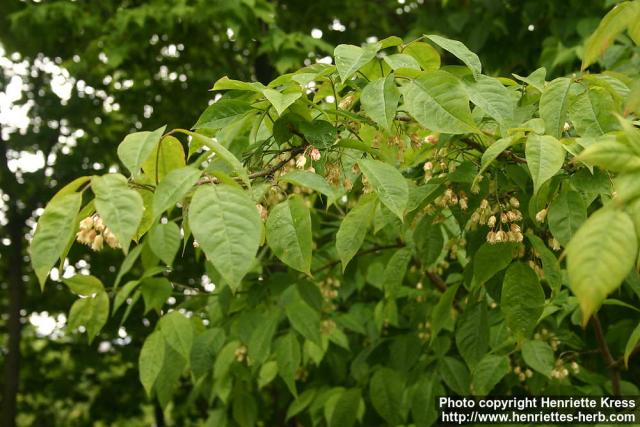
{"x": 620, "y": 360}
{"x": 437, "y": 281}
{"x": 279, "y": 165}
{"x": 606, "y": 354}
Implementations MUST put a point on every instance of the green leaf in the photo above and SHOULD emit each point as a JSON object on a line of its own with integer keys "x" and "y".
{"x": 522, "y": 299}
{"x": 151, "y": 360}
{"x": 155, "y": 292}
{"x": 119, "y": 206}
{"x": 173, "y": 188}
{"x": 536, "y": 79}
{"x": 281, "y": 101}
{"x": 385, "y": 391}
{"x": 310, "y": 180}
{"x": 472, "y": 333}
{"x": 539, "y": 356}
{"x": 380, "y": 100}
{"x": 225, "y": 222}
{"x": 164, "y": 240}
{"x": 304, "y": 319}
{"x": 429, "y": 241}
{"x": 631, "y": 344}
{"x": 123, "y": 294}
{"x": 71, "y": 187}
{"x": 225, "y": 83}
{"x": 494, "y": 150}
{"x": 168, "y": 155}
{"x": 353, "y": 229}
{"x": 550, "y": 265}
{"x": 301, "y": 402}
{"x": 492, "y": 97}
{"x": 268, "y": 372}
{"x": 388, "y": 183}
{"x": 56, "y": 227}
{"x": 425, "y": 54}
{"x": 226, "y": 155}
{"x": 566, "y": 214}
{"x": 592, "y": 112}
{"x": 346, "y": 410}
{"x": 439, "y": 102}
{"x": 169, "y": 377}
{"x": 613, "y": 155}
{"x": 545, "y": 157}
{"x": 349, "y": 58}
{"x": 178, "y": 332}
{"x": 289, "y": 233}
{"x": 441, "y": 313}
{"x": 288, "y": 356}
{"x": 261, "y": 337}
{"x": 205, "y": 348}
{"x": 460, "y": 51}
{"x": 319, "y": 133}
{"x": 395, "y": 270}
{"x": 554, "y": 105}
{"x": 84, "y": 285}
{"x": 455, "y": 375}
{"x": 225, "y": 359}
{"x": 137, "y": 147}
{"x": 423, "y": 405}
{"x": 490, "y": 259}
{"x": 599, "y": 257}
{"x": 245, "y": 410}
{"x": 616, "y": 21}
{"x": 488, "y": 374}
{"x": 222, "y": 113}
{"x": 91, "y": 312}
{"x": 401, "y": 60}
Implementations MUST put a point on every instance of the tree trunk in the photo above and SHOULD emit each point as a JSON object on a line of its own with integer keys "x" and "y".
{"x": 14, "y": 272}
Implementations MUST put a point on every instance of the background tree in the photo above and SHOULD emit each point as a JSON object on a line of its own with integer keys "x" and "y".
{"x": 136, "y": 65}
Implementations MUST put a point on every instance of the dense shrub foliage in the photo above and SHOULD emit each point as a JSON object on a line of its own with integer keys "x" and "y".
{"x": 376, "y": 233}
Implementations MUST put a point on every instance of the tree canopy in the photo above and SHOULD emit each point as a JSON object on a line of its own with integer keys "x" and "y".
{"x": 330, "y": 242}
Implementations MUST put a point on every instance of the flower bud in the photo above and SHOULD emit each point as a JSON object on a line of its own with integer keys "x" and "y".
{"x": 110, "y": 238}
{"x": 431, "y": 139}
{"x": 86, "y": 224}
{"x": 540, "y": 216}
{"x": 262, "y": 211}
{"x": 301, "y": 161}
{"x": 491, "y": 222}
{"x": 315, "y": 154}
{"x": 427, "y": 166}
{"x": 97, "y": 243}
{"x": 98, "y": 224}
{"x": 346, "y": 102}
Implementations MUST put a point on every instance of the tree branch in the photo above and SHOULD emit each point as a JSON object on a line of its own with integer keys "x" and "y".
{"x": 279, "y": 165}
{"x": 606, "y": 354}
{"x": 437, "y": 281}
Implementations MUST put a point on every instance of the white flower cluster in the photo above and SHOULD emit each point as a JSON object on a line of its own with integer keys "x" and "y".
{"x": 497, "y": 217}
{"x": 94, "y": 233}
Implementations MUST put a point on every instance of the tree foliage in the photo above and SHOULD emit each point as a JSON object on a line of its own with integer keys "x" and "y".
{"x": 393, "y": 231}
